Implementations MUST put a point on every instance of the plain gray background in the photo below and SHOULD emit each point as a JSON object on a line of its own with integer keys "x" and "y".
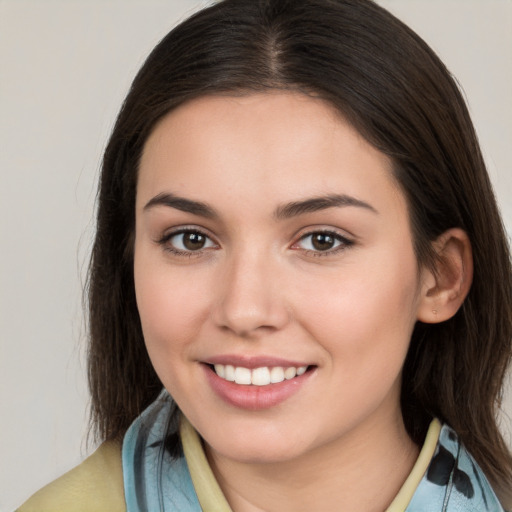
{"x": 65, "y": 68}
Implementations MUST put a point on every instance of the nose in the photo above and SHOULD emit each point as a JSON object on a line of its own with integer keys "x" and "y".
{"x": 251, "y": 299}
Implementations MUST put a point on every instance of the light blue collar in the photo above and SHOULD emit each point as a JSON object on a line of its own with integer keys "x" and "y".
{"x": 153, "y": 480}
{"x": 454, "y": 482}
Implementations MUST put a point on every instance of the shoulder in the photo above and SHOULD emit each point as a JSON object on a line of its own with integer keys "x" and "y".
{"x": 93, "y": 486}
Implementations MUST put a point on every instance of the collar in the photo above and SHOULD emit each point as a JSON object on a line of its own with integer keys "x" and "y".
{"x": 211, "y": 497}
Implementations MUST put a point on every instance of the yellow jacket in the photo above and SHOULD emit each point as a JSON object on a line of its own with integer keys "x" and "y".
{"x": 96, "y": 485}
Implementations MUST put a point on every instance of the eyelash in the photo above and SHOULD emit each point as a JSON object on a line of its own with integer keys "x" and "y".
{"x": 167, "y": 246}
{"x": 343, "y": 243}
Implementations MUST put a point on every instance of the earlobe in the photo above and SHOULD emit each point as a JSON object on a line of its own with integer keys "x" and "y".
{"x": 445, "y": 288}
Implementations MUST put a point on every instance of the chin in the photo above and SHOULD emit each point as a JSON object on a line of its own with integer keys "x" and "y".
{"x": 257, "y": 446}
{"x": 260, "y": 453}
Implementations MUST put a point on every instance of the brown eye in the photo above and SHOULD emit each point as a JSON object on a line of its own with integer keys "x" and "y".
{"x": 193, "y": 241}
{"x": 322, "y": 241}
{"x": 189, "y": 241}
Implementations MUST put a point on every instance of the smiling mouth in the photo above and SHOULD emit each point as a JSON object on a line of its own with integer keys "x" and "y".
{"x": 262, "y": 376}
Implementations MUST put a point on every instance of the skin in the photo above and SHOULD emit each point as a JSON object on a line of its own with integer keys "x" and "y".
{"x": 259, "y": 287}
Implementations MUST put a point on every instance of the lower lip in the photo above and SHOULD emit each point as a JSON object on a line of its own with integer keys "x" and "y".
{"x": 252, "y": 397}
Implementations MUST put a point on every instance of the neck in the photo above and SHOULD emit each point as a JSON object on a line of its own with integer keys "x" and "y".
{"x": 363, "y": 470}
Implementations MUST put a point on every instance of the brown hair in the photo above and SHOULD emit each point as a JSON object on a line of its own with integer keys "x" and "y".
{"x": 392, "y": 87}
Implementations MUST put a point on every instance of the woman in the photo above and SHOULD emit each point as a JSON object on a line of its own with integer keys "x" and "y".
{"x": 297, "y": 239}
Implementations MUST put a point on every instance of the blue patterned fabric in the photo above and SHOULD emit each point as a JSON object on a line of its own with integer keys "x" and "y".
{"x": 156, "y": 482}
{"x": 153, "y": 480}
{"x": 453, "y": 482}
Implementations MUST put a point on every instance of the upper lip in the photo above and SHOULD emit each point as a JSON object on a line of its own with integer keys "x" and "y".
{"x": 252, "y": 362}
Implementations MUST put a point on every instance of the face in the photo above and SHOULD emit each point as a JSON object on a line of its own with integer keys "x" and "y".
{"x": 275, "y": 274}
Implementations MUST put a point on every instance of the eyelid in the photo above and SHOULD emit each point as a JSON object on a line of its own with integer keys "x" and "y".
{"x": 178, "y": 230}
{"x": 345, "y": 240}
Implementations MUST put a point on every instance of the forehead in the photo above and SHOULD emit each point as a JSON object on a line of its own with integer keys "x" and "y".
{"x": 278, "y": 146}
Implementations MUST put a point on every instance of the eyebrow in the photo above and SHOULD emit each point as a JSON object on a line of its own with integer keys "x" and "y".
{"x": 180, "y": 203}
{"x": 316, "y": 204}
{"x": 282, "y": 212}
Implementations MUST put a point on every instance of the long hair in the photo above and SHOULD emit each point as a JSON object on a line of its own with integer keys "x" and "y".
{"x": 395, "y": 91}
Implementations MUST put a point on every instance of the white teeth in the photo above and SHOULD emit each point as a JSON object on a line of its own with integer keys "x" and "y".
{"x": 262, "y": 376}
{"x": 220, "y": 371}
{"x": 301, "y": 370}
{"x": 276, "y": 374}
{"x": 242, "y": 375}
{"x": 229, "y": 373}
{"x": 289, "y": 373}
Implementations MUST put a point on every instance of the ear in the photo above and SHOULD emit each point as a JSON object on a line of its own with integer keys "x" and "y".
{"x": 444, "y": 289}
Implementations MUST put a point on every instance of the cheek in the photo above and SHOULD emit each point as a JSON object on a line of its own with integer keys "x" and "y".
{"x": 171, "y": 307}
{"x": 365, "y": 314}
